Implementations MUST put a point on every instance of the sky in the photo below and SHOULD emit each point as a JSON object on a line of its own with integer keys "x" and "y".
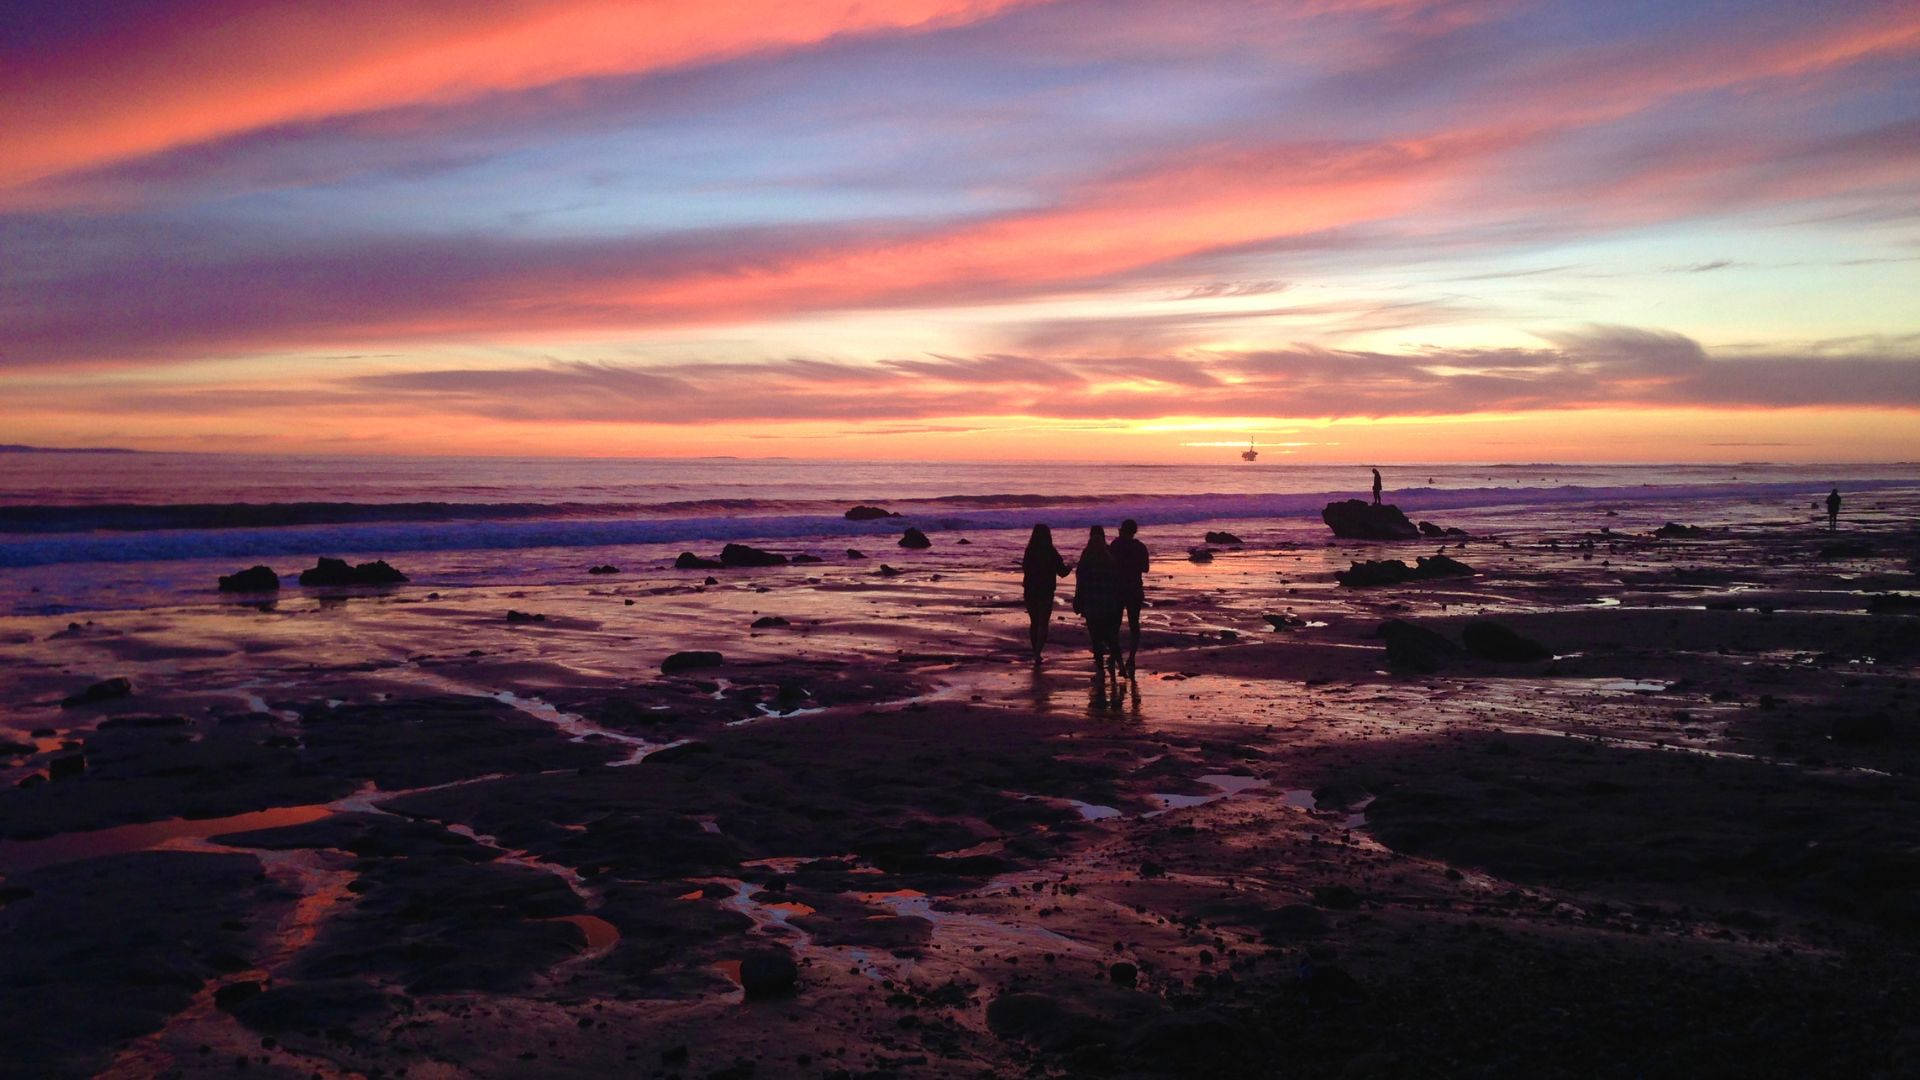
{"x": 1390, "y": 230}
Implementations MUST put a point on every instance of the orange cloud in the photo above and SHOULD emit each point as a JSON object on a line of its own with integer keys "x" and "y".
{"x": 222, "y": 69}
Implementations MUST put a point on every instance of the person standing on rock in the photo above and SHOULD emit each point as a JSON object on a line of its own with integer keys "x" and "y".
{"x": 1041, "y": 568}
{"x": 1130, "y": 557}
{"x": 1096, "y": 597}
{"x": 1376, "y": 487}
{"x": 1833, "y": 509}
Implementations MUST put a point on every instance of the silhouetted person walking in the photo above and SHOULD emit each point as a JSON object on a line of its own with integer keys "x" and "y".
{"x": 1376, "y": 487}
{"x": 1833, "y": 509}
{"x": 1096, "y": 596}
{"x": 1130, "y": 558}
{"x": 1040, "y": 570}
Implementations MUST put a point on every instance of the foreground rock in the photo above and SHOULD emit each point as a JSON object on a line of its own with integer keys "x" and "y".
{"x": 1394, "y": 572}
{"x": 1356, "y": 519}
{"x": 914, "y": 538}
{"x": 1490, "y": 640}
{"x": 1416, "y": 649}
{"x": 768, "y": 975}
{"x": 738, "y": 555}
{"x": 1673, "y": 530}
{"x": 338, "y": 572}
{"x": 869, "y": 513}
{"x": 690, "y": 660}
{"x": 105, "y": 690}
{"x": 252, "y": 579}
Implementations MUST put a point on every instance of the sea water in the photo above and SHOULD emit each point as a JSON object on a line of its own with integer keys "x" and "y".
{"x": 94, "y": 531}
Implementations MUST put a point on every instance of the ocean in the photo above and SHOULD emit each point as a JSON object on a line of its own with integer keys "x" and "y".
{"x": 90, "y": 531}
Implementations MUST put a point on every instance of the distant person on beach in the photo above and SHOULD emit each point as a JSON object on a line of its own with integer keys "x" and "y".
{"x": 1130, "y": 557}
{"x": 1833, "y": 509}
{"x": 1041, "y": 568}
{"x": 1376, "y": 487}
{"x": 1096, "y": 597}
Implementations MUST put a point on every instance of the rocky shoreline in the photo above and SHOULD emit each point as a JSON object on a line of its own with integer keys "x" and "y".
{"x": 398, "y": 833}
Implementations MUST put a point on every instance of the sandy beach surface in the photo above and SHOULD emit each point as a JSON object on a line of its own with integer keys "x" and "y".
{"x": 383, "y": 832}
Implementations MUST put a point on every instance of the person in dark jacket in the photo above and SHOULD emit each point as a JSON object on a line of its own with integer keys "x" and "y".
{"x": 1096, "y": 596}
{"x": 1130, "y": 556}
{"x": 1833, "y": 509}
{"x": 1041, "y": 568}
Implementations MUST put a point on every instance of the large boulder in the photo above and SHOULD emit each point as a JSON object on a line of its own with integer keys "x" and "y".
{"x": 689, "y": 561}
{"x": 1490, "y": 640}
{"x": 1416, "y": 649}
{"x": 252, "y": 579}
{"x": 742, "y": 555}
{"x": 690, "y": 660}
{"x": 1223, "y": 538}
{"x": 768, "y": 975}
{"x": 914, "y": 538}
{"x": 1394, "y": 572}
{"x": 868, "y": 513}
{"x": 1673, "y": 530}
{"x": 1357, "y": 519}
{"x": 338, "y": 572}
{"x": 105, "y": 690}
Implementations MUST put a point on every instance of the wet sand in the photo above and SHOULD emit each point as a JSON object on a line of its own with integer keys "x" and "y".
{"x": 374, "y": 832}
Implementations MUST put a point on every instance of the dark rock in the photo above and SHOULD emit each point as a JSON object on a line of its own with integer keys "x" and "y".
{"x": 104, "y": 690}
{"x": 1185, "y": 1037}
{"x": 1199, "y": 555}
{"x": 252, "y": 579}
{"x": 9, "y": 748}
{"x": 798, "y": 559}
{"x": 1327, "y": 986}
{"x": 1490, "y": 640}
{"x": 523, "y": 617}
{"x": 856, "y": 553}
{"x": 1356, "y": 519}
{"x": 1283, "y": 622}
{"x": 66, "y": 767}
{"x": 868, "y": 513}
{"x": 742, "y": 555}
{"x": 337, "y": 572}
{"x": 690, "y": 660}
{"x": 1416, "y": 648}
{"x": 1395, "y": 572}
{"x": 1673, "y": 530}
{"x": 228, "y": 997}
{"x": 711, "y": 580}
{"x": 1023, "y": 1015}
{"x": 1223, "y": 538}
{"x": 1293, "y": 921}
{"x": 603, "y": 569}
{"x": 770, "y": 622}
{"x": 768, "y": 975}
{"x": 689, "y": 561}
{"x": 1872, "y": 727}
{"x": 1429, "y": 529}
{"x": 1335, "y": 897}
{"x": 888, "y": 571}
{"x": 117, "y": 723}
{"x": 915, "y": 539}
{"x": 1123, "y": 974}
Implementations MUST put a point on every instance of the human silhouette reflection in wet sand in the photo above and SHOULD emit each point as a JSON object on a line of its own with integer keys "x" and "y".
{"x": 1096, "y": 597}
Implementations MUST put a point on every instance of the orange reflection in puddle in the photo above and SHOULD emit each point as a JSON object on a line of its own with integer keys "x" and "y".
{"x": 600, "y": 933}
{"x": 694, "y": 895}
{"x": 882, "y": 897}
{"x": 791, "y": 907}
{"x": 66, "y": 847}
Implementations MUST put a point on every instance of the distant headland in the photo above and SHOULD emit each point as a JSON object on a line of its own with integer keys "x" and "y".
{"x": 17, "y": 448}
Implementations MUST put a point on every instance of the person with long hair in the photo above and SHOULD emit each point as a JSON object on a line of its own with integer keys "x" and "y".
{"x": 1041, "y": 569}
{"x": 1096, "y": 596}
{"x": 1130, "y": 557}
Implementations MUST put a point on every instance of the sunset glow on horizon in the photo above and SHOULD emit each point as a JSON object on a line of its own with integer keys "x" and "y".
{"x": 1389, "y": 230}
